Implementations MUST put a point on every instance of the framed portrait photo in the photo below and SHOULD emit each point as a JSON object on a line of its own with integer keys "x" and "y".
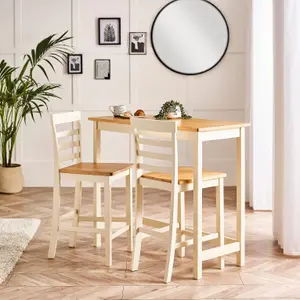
{"x": 109, "y": 31}
{"x": 75, "y": 64}
{"x": 137, "y": 43}
{"x": 102, "y": 69}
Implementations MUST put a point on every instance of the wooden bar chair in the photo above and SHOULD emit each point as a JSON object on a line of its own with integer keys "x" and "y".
{"x": 106, "y": 173}
{"x": 161, "y": 171}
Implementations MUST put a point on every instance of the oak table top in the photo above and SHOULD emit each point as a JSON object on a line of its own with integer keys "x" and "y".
{"x": 195, "y": 125}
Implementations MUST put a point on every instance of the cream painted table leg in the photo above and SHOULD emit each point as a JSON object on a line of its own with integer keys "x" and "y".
{"x": 197, "y": 217}
{"x": 97, "y": 186}
{"x": 240, "y": 211}
{"x": 220, "y": 220}
{"x": 129, "y": 211}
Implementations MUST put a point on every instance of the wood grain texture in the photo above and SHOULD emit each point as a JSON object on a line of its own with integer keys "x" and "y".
{"x": 80, "y": 273}
{"x": 98, "y": 169}
{"x": 201, "y": 125}
{"x": 185, "y": 175}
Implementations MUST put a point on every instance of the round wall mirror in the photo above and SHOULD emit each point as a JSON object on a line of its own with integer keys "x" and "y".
{"x": 190, "y": 37}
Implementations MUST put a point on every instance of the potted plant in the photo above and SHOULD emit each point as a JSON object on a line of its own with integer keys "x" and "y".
{"x": 22, "y": 97}
{"x": 172, "y": 110}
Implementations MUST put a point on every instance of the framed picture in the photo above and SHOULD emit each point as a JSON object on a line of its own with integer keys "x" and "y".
{"x": 75, "y": 64}
{"x": 109, "y": 31}
{"x": 102, "y": 69}
{"x": 137, "y": 43}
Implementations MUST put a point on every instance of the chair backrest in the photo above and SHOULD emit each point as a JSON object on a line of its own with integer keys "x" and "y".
{"x": 67, "y": 138}
{"x": 156, "y": 142}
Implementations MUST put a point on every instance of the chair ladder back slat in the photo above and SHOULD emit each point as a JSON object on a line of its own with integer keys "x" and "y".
{"x": 154, "y": 155}
{"x": 69, "y": 157}
{"x": 67, "y": 133}
{"x": 68, "y": 117}
{"x": 151, "y": 142}
{"x": 161, "y": 135}
{"x": 73, "y": 136}
{"x": 156, "y": 169}
{"x": 68, "y": 145}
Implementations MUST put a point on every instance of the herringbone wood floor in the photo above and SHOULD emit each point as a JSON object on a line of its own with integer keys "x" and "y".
{"x": 81, "y": 273}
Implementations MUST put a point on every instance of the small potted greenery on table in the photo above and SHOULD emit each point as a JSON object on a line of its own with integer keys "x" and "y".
{"x": 22, "y": 97}
{"x": 172, "y": 110}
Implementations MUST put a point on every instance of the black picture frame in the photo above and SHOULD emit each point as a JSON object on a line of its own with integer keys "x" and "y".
{"x": 142, "y": 49}
{"x": 69, "y": 67}
{"x": 100, "y": 35}
{"x": 197, "y": 73}
{"x": 96, "y": 75}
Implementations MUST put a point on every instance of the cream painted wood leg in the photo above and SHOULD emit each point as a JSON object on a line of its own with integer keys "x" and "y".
{"x": 108, "y": 222}
{"x": 220, "y": 219}
{"x": 241, "y": 197}
{"x": 97, "y": 186}
{"x": 172, "y": 237}
{"x": 129, "y": 211}
{"x": 55, "y": 217}
{"x": 77, "y": 206}
{"x": 197, "y": 217}
{"x": 181, "y": 221}
{"x": 138, "y": 224}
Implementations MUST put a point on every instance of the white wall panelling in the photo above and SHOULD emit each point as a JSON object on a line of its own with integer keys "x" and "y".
{"x": 262, "y": 106}
{"x": 7, "y": 17}
{"x": 137, "y": 81}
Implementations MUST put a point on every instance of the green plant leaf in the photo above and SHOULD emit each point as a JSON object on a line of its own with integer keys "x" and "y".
{"x": 22, "y": 96}
{"x": 44, "y": 71}
{"x": 51, "y": 65}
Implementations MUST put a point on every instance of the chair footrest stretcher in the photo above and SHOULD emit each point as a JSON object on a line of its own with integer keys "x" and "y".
{"x": 215, "y": 252}
{"x": 102, "y": 219}
{"x": 70, "y": 214}
{"x": 155, "y": 233}
{"x": 206, "y": 236}
{"x": 161, "y": 231}
{"x": 115, "y": 234}
{"x": 220, "y": 251}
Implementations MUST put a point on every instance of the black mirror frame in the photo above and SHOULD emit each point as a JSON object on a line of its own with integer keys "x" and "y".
{"x": 202, "y": 72}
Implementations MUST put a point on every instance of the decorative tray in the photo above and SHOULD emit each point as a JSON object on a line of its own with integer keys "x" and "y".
{"x": 121, "y": 117}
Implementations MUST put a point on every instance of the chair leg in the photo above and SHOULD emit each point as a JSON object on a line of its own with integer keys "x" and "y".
{"x": 55, "y": 218}
{"x": 138, "y": 224}
{"x": 172, "y": 237}
{"x": 97, "y": 213}
{"x": 77, "y": 206}
{"x": 181, "y": 221}
{"x": 108, "y": 222}
{"x": 220, "y": 220}
{"x": 129, "y": 211}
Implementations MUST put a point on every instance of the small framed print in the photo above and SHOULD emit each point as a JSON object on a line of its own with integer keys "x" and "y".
{"x": 109, "y": 31}
{"x": 102, "y": 69}
{"x": 137, "y": 43}
{"x": 75, "y": 64}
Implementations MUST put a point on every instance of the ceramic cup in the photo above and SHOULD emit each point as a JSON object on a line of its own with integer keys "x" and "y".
{"x": 117, "y": 110}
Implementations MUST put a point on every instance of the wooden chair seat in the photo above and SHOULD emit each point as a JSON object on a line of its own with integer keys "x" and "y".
{"x": 185, "y": 175}
{"x": 100, "y": 169}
